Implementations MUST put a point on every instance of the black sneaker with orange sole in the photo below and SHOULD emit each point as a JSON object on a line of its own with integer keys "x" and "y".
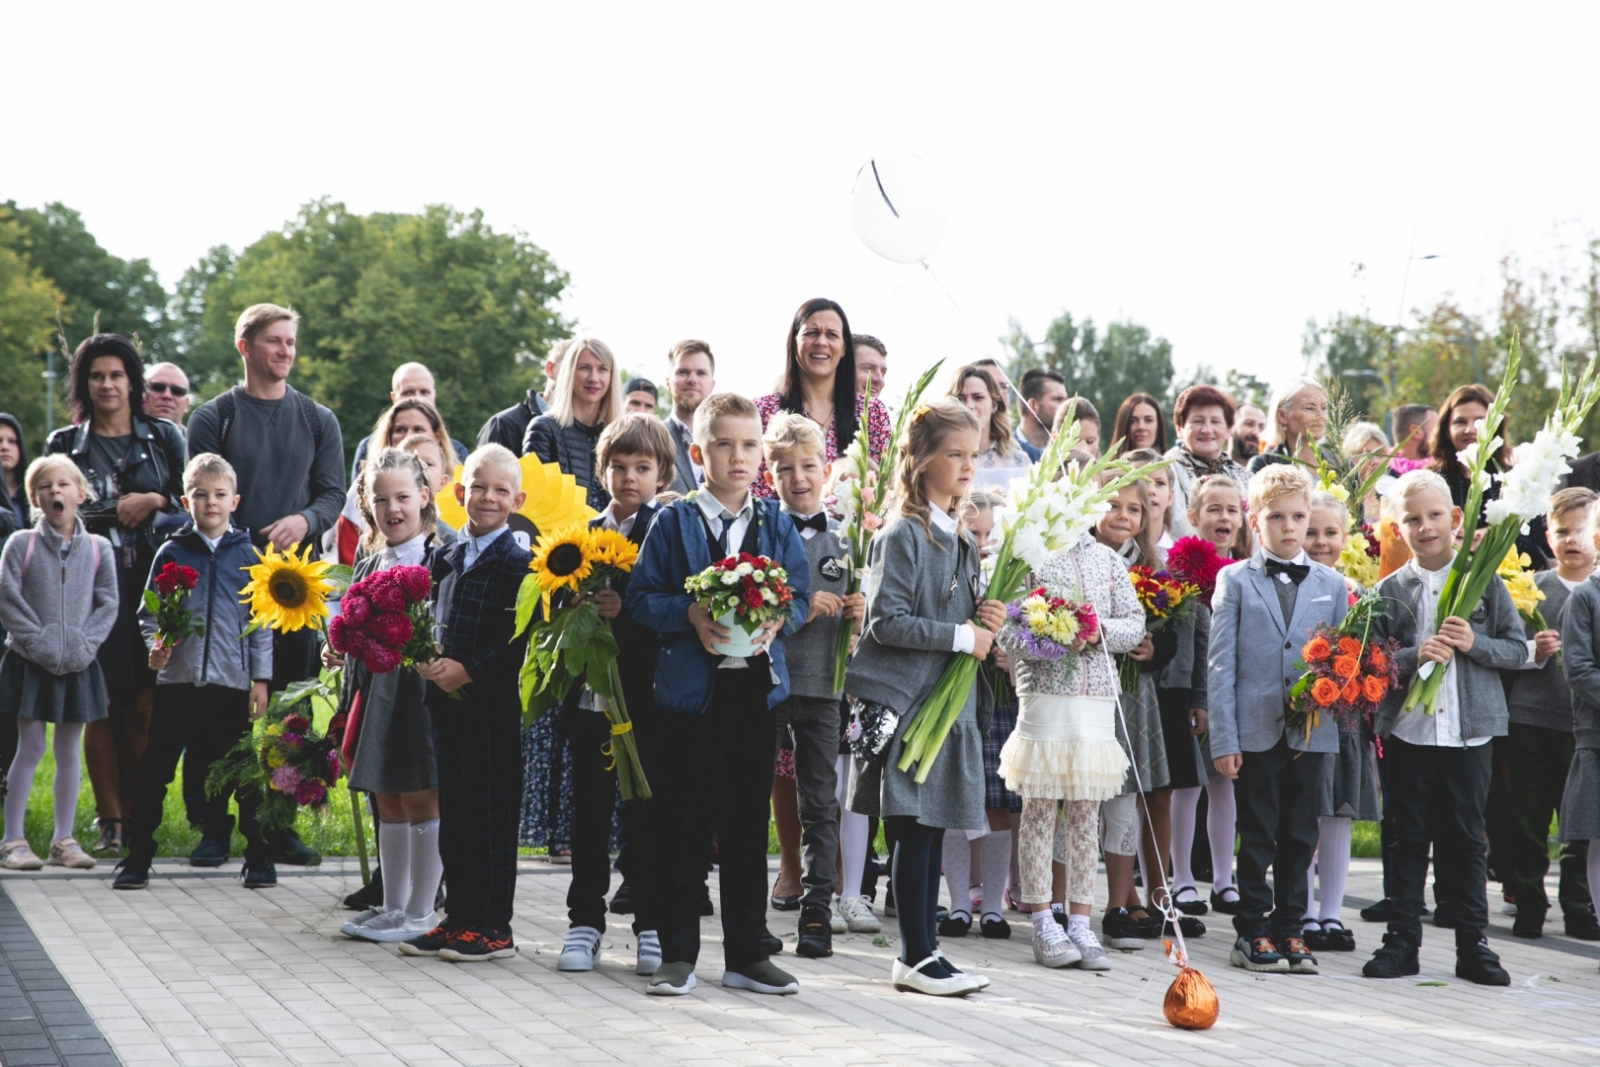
{"x": 429, "y": 943}
{"x": 475, "y": 946}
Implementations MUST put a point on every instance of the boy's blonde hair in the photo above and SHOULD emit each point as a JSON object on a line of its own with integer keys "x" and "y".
{"x": 789, "y": 433}
{"x": 492, "y": 456}
{"x": 638, "y": 434}
{"x": 1325, "y": 501}
{"x": 44, "y": 468}
{"x": 1409, "y": 485}
{"x": 1277, "y": 481}
{"x": 720, "y": 406}
{"x": 208, "y": 465}
{"x": 257, "y": 317}
{"x": 916, "y": 451}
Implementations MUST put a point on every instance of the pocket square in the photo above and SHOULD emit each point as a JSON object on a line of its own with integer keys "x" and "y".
{"x": 1322, "y": 600}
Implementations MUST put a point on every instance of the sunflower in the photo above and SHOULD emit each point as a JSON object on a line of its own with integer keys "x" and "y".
{"x": 561, "y": 560}
{"x": 287, "y": 592}
{"x": 608, "y": 548}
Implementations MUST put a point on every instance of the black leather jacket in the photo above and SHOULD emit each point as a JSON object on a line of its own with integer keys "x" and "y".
{"x": 155, "y": 466}
{"x": 572, "y": 447}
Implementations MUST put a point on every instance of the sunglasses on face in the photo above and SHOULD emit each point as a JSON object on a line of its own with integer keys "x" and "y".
{"x": 163, "y": 387}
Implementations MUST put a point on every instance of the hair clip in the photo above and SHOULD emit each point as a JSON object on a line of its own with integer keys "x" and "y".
{"x": 919, "y": 411}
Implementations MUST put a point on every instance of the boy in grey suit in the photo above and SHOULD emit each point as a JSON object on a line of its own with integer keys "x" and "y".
{"x": 1263, "y": 612}
{"x": 1439, "y": 764}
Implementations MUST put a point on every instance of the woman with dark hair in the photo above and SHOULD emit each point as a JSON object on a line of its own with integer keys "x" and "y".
{"x": 1203, "y": 415}
{"x": 1463, "y": 410}
{"x": 819, "y": 382}
{"x": 13, "y": 464}
{"x": 1139, "y": 425}
{"x": 134, "y": 464}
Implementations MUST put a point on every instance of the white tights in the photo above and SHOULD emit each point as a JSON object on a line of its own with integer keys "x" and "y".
{"x": 1331, "y": 868}
{"x": 19, "y": 782}
{"x": 1221, "y": 814}
{"x": 853, "y": 842}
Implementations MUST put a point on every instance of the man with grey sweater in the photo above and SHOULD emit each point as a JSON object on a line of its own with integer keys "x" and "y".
{"x": 289, "y": 456}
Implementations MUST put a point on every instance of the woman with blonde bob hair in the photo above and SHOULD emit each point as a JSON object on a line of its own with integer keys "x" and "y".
{"x": 586, "y": 398}
{"x": 1297, "y": 417}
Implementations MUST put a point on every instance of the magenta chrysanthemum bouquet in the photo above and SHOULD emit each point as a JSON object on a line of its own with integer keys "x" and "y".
{"x": 385, "y": 620}
{"x": 284, "y": 757}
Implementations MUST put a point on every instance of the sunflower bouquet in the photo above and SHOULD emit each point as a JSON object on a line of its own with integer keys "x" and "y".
{"x": 174, "y": 621}
{"x": 284, "y": 757}
{"x": 1166, "y": 598}
{"x": 289, "y": 592}
{"x": 569, "y": 643}
{"x": 1347, "y": 673}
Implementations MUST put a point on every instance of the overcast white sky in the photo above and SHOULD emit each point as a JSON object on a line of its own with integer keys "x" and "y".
{"x": 1211, "y": 171}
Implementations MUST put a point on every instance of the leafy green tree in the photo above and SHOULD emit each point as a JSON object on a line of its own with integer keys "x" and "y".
{"x": 1246, "y": 389}
{"x": 28, "y": 305}
{"x": 1352, "y": 350}
{"x": 1105, "y": 369}
{"x": 125, "y": 295}
{"x": 374, "y": 291}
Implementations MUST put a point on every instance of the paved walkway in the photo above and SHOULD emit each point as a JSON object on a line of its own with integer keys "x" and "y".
{"x": 198, "y": 971}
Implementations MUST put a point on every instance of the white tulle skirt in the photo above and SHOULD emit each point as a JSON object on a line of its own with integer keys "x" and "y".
{"x": 1065, "y": 748}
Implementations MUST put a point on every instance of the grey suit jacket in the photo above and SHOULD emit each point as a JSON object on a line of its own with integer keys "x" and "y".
{"x": 683, "y": 480}
{"x": 1499, "y": 645}
{"x": 1253, "y": 656}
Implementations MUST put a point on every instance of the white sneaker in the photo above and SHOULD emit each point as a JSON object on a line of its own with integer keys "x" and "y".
{"x": 858, "y": 916}
{"x": 836, "y": 919}
{"x": 415, "y": 928}
{"x": 1052, "y": 947}
{"x": 580, "y": 950}
{"x": 649, "y": 956}
{"x": 15, "y": 855}
{"x": 1094, "y": 956}
{"x": 389, "y": 927}
{"x": 361, "y": 919}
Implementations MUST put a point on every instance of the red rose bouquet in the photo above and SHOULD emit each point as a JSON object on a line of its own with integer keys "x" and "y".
{"x": 385, "y": 620}
{"x": 1347, "y": 672}
{"x": 173, "y": 584}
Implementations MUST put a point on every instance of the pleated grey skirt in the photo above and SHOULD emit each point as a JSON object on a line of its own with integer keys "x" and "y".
{"x": 1580, "y": 804}
{"x": 1350, "y": 780}
{"x": 28, "y": 691}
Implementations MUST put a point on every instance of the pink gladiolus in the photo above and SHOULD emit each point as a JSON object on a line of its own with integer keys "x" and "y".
{"x": 869, "y": 496}
{"x": 870, "y": 521}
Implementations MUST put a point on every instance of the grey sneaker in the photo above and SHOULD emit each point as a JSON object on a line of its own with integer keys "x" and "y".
{"x": 672, "y": 980}
{"x": 390, "y": 927}
{"x": 361, "y": 919}
{"x": 1052, "y": 947}
{"x": 763, "y": 977}
{"x": 1094, "y": 956}
{"x": 580, "y": 950}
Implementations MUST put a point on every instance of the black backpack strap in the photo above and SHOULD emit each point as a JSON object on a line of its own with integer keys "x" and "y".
{"x": 308, "y": 411}
{"x": 227, "y": 409}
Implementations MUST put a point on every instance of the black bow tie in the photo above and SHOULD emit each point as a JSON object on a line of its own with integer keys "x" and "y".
{"x": 1296, "y": 571}
{"x": 817, "y": 522}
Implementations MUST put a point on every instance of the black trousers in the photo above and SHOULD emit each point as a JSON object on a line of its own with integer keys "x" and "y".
{"x": 918, "y": 854}
{"x": 813, "y": 727}
{"x": 1536, "y": 763}
{"x": 1276, "y": 793}
{"x": 728, "y": 750}
{"x": 594, "y": 800}
{"x": 478, "y": 740}
{"x": 1439, "y": 796}
{"x": 200, "y": 723}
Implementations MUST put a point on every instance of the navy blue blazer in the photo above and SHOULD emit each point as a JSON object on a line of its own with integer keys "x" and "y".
{"x": 477, "y": 633}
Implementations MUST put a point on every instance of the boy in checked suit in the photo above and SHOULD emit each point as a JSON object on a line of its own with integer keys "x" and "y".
{"x": 1263, "y": 613}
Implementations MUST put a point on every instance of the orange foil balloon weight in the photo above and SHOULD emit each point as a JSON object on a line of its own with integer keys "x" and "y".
{"x": 1191, "y": 1002}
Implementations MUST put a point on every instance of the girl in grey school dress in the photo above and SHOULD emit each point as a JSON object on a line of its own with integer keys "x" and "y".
{"x": 58, "y": 602}
{"x": 394, "y": 758}
{"x": 1580, "y": 649}
{"x": 923, "y": 611}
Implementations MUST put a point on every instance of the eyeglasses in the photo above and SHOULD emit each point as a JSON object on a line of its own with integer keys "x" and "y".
{"x": 163, "y": 387}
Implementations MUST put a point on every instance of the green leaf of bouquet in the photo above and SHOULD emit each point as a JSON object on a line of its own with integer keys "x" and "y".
{"x": 527, "y": 603}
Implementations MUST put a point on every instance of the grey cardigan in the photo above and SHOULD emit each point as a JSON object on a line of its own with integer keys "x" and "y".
{"x": 1581, "y": 660}
{"x": 1538, "y": 696}
{"x": 1254, "y": 658}
{"x": 60, "y": 614}
{"x": 1189, "y": 669}
{"x": 1498, "y": 646}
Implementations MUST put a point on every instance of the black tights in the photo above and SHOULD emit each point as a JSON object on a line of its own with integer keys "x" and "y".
{"x": 918, "y": 852}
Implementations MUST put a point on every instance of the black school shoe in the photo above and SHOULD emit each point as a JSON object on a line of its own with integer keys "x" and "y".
{"x": 1222, "y": 905}
{"x": 956, "y": 924}
{"x": 210, "y": 852}
{"x": 1582, "y": 925}
{"x": 1528, "y": 923}
{"x": 131, "y": 874}
{"x": 258, "y": 874}
{"x": 1190, "y": 926}
{"x": 816, "y": 933}
{"x": 1189, "y": 907}
{"x": 1121, "y": 931}
{"x": 995, "y": 928}
{"x": 1396, "y": 959}
{"x": 368, "y": 896}
{"x": 622, "y": 900}
{"x": 1329, "y": 936}
{"x": 774, "y": 945}
{"x": 1480, "y": 965}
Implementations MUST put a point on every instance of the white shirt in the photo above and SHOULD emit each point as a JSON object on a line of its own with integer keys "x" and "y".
{"x": 477, "y": 545}
{"x": 966, "y": 637}
{"x": 608, "y": 520}
{"x": 212, "y": 542}
{"x": 1443, "y": 727}
{"x": 719, "y": 517}
{"x": 406, "y": 553}
{"x": 1300, "y": 558}
{"x": 679, "y": 427}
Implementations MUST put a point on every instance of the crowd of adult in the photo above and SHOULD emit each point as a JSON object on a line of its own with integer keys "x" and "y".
{"x": 133, "y": 429}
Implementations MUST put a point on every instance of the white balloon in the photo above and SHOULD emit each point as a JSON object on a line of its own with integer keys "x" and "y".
{"x": 897, "y": 207}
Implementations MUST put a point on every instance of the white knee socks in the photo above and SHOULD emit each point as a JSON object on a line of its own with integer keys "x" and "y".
{"x": 958, "y": 872}
{"x": 995, "y": 853}
{"x": 1184, "y": 805}
{"x": 394, "y": 853}
{"x": 1221, "y": 815}
{"x": 426, "y": 868}
{"x": 19, "y": 780}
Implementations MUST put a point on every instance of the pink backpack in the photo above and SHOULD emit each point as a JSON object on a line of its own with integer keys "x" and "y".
{"x": 33, "y": 541}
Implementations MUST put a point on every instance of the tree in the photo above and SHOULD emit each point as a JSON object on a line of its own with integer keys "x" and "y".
{"x": 374, "y": 291}
{"x": 125, "y": 295}
{"x": 1352, "y": 350}
{"x": 28, "y": 305}
{"x": 1106, "y": 369}
{"x": 1246, "y": 389}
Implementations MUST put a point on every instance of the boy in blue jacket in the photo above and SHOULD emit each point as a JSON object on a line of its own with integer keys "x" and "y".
{"x": 716, "y": 726}
{"x": 208, "y": 688}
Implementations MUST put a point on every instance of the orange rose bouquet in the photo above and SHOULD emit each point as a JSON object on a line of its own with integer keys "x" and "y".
{"x": 1347, "y": 672}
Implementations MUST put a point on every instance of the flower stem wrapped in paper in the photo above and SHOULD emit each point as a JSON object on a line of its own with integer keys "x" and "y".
{"x": 859, "y": 492}
{"x": 1525, "y": 492}
{"x": 1047, "y": 509}
{"x": 571, "y": 643}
